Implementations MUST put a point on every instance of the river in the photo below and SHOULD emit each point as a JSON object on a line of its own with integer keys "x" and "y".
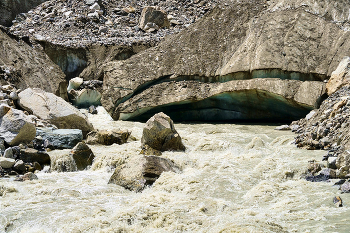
{"x": 235, "y": 178}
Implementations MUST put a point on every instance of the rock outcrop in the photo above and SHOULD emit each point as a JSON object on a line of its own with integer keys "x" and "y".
{"x": 25, "y": 66}
{"x": 160, "y": 134}
{"x": 49, "y": 107}
{"x": 213, "y": 70}
{"x": 141, "y": 171}
{"x": 340, "y": 77}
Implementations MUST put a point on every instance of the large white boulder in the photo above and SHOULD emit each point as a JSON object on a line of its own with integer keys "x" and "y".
{"x": 56, "y": 110}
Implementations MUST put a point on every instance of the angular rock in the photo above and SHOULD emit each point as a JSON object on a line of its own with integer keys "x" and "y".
{"x": 60, "y": 138}
{"x": 62, "y": 161}
{"x": 151, "y": 15}
{"x": 83, "y": 156}
{"x": 6, "y": 162}
{"x": 31, "y": 155}
{"x": 160, "y": 134}
{"x": 19, "y": 167}
{"x": 16, "y": 127}
{"x": 339, "y": 77}
{"x": 74, "y": 83}
{"x": 105, "y": 137}
{"x": 141, "y": 171}
{"x": 54, "y": 109}
{"x": 345, "y": 188}
{"x": 92, "y": 109}
{"x": 9, "y": 153}
{"x": 338, "y": 201}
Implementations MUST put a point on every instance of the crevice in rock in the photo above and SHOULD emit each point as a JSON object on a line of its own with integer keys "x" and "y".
{"x": 245, "y": 105}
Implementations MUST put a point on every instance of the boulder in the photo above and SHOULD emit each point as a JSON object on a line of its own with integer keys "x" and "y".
{"x": 25, "y": 66}
{"x": 141, "y": 171}
{"x": 31, "y": 155}
{"x": 6, "y": 162}
{"x": 339, "y": 77}
{"x": 60, "y": 138}
{"x": 160, "y": 134}
{"x": 62, "y": 161}
{"x": 74, "y": 83}
{"x": 85, "y": 97}
{"x": 105, "y": 137}
{"x": 82, "y": 155}
{"x": 48, "y": 106}
{"x": 245, "y": 61}
{"x": 15, "y": 126}
{"x": 9, "y": 153}
{"x": 151, "y": 15}
{"x": 19, "y": 167}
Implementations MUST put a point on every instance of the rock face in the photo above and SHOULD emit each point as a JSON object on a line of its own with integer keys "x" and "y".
{"x": 219, "y": 61}
{"x": 340, "y": 76}
{"x": 10, "y": 8}
{"x": 15, "y": 126}
{"x": 160, "y": 134}
{"x": 82, "y": 155}
{"x": 49, "y": 107}
{"x": 141, "y": 171}
{"x": 105, "y": 137}
{"x": 25, "y": 66}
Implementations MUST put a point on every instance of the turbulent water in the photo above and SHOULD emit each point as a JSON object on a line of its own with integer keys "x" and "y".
{"x": 235, "y": 178}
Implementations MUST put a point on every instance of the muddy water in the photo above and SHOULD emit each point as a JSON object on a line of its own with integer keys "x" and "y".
{"x": 235, "y": 178}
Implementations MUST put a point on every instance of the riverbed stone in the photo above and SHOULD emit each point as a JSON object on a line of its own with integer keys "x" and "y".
{"x": 106, "y": 137}
{"x": 141, "y": 171}
{"x": 54, "y": 109}
{"x": 31, "y": 155}
{"x": 60, "y": 138}
{"x": 6, "y": 162}
{"x": 19, "y": 167}
{"x": 9, "y": 153}
{"x": 160, "y": 134}
{"x": 152, "y": 15}
{"x": 83, "y": 155}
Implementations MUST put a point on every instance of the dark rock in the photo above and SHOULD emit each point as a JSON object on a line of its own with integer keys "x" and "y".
{"x": 338, "y": 201}
{"x": 141, "y": 171}
{"x": 20, "y": 167}
{"x": 92, "y": 109}
{"x": 83, "y": 156}
{"x": 30, "y": 155}
{"x": 160, "y": 134}
{"x": 60, "y": 138}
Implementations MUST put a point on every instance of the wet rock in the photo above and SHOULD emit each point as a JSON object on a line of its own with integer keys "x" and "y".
{"x": 49, "y": 107}
{"x": 283, "y": 127}
{"x": 15, "y": 126}
{"x": 160, "y": 134}
{"x": 60, "y": 138}
{"x": 345, "y": 188}
{"x": 337, "y": 201}
{"x": 31, "y": 155}
{"x": 92, "y": 109}
{"x": 313, "y": 167}
{"x": 27, "y": 176}
{"x": 83, "y": 156}
{"x": 62, "y": 161}
{"x": 9, "y": 153}
{"x": 105, "y": 137}
{"x": 141, "y": 171}
{"x": 331, "y": 162}
{"x": 147, "y": 150}
{"x": 19, "y": 167}
{"x": 6, "y": 162}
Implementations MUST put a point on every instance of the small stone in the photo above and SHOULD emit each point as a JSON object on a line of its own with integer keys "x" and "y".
{"x": 95, "y": 7}
{"x": 6, "y": 162}
{"x": 13, "y": 95}
{"x": 338, "y": 201}
{"x": 19, "y": 166}
{"x": 92, "y": 109}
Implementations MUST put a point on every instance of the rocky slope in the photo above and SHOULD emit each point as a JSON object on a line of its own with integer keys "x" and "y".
{"x": 26, "y": 65}
{"x": 246, "y": 40}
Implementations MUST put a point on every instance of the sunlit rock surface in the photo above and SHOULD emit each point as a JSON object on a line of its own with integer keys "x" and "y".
{"x": 246, "y": 40}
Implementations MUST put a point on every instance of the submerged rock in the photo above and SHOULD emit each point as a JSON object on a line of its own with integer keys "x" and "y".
{"x": 27, "y": 176}
{"x": 338, "y": 201}
{"x": 160, "y": 134}
{"x": 49, "y": 107}
{"x": 141, "y": 171}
